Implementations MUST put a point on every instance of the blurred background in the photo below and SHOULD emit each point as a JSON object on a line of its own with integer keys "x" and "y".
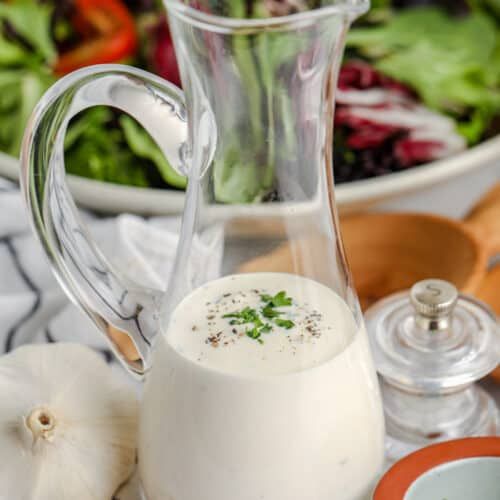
{"x": 419, "y": 91}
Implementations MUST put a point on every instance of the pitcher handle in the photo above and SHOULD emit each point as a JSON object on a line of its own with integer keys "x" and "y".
{"x": 124, "y": 311}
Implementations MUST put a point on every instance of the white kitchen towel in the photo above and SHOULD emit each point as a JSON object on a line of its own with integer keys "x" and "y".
{"x": 33, "y": 307}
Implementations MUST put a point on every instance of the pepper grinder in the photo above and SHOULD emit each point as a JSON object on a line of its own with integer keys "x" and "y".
{"x": 430, "y": 347}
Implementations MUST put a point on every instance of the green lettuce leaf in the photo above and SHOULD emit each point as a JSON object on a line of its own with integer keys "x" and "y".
{"x": 98, "y": 151}
{"x": 24, "y": 72}
{"x": 12, "y": 54}
{"x": 32, "y": 21}
{"x": 20, "y": 90}
{"x": 452, "y": 63}
{"x": 143, "y": 146}
{"x": 32, "y": 86}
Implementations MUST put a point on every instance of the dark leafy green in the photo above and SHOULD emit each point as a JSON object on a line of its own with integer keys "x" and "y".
{"x": 249, "y": 315}
{"x": 98, "y": 145}
{"x": 452, "y": 63}
{"x": 102, "y": 145}
{"x": 278, "y": 300}
{"x": 24, "y": 67}
{"x": 98, "y": 151}
{"x": 31, "y": 20}
{"x": 246, "y": 315}
{"x": 143, "y": 146}
{"x": 269, "y": 312}
{"x": 285, "y": 323}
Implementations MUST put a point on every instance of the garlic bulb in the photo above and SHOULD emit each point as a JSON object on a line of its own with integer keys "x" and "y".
{"x": 131, "y": 490}
{"x": 68, "y": 425}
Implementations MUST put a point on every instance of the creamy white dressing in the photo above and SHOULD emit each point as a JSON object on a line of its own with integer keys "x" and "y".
{"x": 322, "y": 325}
{"x": 295, "y": 417}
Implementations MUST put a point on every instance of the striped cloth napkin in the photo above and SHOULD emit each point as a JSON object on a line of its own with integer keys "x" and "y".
{"x": 33, "y": 307}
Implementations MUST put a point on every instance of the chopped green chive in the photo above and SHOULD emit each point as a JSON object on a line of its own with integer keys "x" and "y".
{"x": 268, "y": 311}
{"x": 279, "y": 300}
{"x": 266, "y": 328}
{"x": 254, "y": 333}
{"x": 247, "y": 315}
{"x": 284, "y": 323}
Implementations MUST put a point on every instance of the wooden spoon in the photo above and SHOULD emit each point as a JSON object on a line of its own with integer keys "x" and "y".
{"x": 389, "y": 252}
{"x": 489, "y": 292}
{"x": 489, "y": 289}
{"x": 484, "y": 220}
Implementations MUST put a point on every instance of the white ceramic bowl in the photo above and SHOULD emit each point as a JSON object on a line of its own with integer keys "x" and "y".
{"x": 114, "y": 198}
{"x": 459, "y": 480}
{"x": 461, "y": 469}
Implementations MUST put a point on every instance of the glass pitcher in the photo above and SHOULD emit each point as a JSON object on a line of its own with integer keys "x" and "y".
{"x": 259, "y": 384}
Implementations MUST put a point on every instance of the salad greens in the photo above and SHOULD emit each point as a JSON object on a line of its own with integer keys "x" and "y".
{"x": 24, "y": 70}
{"x": 244, "y": 171}
{"x": 452, "y": 63}
{"x": 106, "y": 147}
{"x": 31, "y": 21}
{"x": 95, "y": 150}
{"x": 141, "y": 144}
{"x": 237, "y": 176}
{"x": 100, "y": 144}
{"x": 448, "y": 53}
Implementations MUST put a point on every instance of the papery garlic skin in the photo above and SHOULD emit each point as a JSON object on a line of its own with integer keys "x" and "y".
{"x": 68, "y": 425}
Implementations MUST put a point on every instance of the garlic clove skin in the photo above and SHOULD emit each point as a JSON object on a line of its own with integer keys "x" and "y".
{"x": 68, "y": 425}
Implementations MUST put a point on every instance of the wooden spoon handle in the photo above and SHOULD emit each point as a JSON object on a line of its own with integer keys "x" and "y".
{"x": 484, "y": 220}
